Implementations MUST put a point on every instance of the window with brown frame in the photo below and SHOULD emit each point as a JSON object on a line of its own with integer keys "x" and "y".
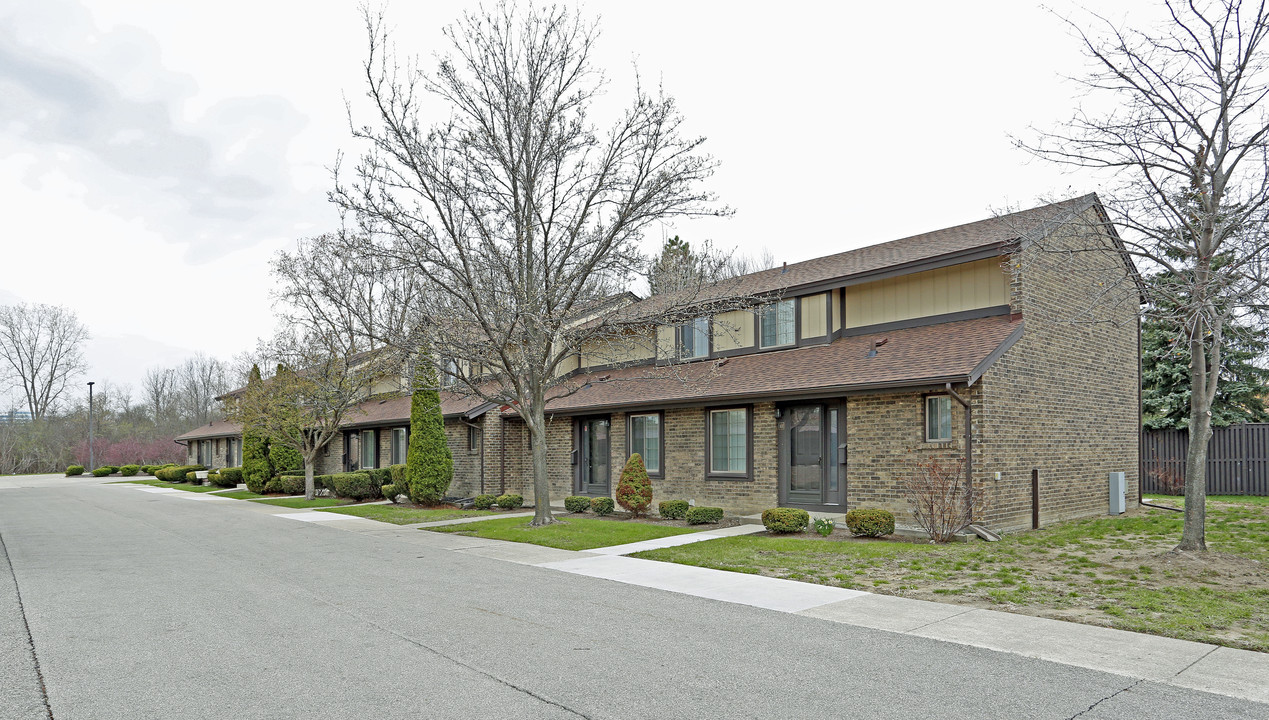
{"x": 938, "y": 418}
{"x": 728, "y": 449}
{"x": 645, "y": 434}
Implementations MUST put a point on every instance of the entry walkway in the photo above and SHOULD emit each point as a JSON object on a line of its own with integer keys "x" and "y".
{"x": 1199, "y": 666}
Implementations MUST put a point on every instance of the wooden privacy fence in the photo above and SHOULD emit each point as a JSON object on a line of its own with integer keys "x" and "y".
{"x": 1237, "y": 460}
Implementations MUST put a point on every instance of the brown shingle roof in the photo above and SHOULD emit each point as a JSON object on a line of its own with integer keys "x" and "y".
{"x": 214, "y": 429}
{"x": 932, "y": 354}
{"x": 383, "y": 411}
{"x": 993, "y": 232}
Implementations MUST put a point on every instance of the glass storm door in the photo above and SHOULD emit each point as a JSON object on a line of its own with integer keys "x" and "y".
{"x": 814, "y": 459}
{"x": 592, "y": 461}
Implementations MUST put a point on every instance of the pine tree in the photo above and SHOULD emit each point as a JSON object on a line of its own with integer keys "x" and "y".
{"x": 1165, "y": 377}
{"x": 256, "y": 469}
{"x": 676, "y": 268}
{"x": 429, "y": 467}
{"x": 634, "y": 491}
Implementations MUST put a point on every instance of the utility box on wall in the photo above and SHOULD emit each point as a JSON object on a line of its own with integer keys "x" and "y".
{"x": 1118, "y": 499}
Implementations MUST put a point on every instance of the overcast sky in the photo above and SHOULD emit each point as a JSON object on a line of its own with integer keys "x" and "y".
{"x": 154, "y": 154}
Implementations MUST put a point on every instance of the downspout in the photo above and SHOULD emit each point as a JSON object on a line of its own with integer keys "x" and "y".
{"x": 969, "y": 443}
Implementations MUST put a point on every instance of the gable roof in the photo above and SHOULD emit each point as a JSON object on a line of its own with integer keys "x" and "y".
{"x": 956, "y": 352}
{"x": 213, "y": 429}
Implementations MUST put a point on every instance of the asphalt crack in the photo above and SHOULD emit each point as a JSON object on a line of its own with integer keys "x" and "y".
{"x": 1099, "y": 702}
{"x": 26, "y": 625}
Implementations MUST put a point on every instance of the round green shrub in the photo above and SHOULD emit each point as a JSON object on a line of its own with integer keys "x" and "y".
{"x": 233, "y": 473}
{"x": 510, "y": 502}
{"x": 101, "y": 472}
{"x": 602, "y": 505}
{"x": 785, "y": 520}
{"x": 73, "y": 470}
{"x": 673, "y": 509}
{"x": 870, "y": 522}
{"x": 356, "y": 485}
{"x": 483, "y": 502}
{"x": 110, "y": 469}
{"x": 220, "y": 479}
{"x": 191, "y": 476}
{"x": 577, "y": 503}
{"x": 704, "y": 515}
{"x": 129, "y": 470}
{"x": 389, "y": 492}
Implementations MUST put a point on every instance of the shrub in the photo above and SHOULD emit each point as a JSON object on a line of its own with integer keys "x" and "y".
{"x": 176, "y": 473}
{"x": 673, "y": 509}
{"x": 233, "y": 473}
{"x": 191, "y": 477}
{"x": 381, "y": 476}
{"x": 285, "y": 484}
{"x": 397, "y": 474}
{"x": 101, "y": 471}
{"x": 510, "y": 502}
{"x": 824, "y": 526}
{"x": 256, "y": 470}
{"x": 602, "y": 505}
{"x": 483, "y": 502}
{"x": 870, "y": 522}
{"x": 222, "y": 479}
{"x": 129, "y": 470}
{"x": 942, "y": 502}
{"x": 395, "y": 484}
{"x": 704, "y": 515}
{"x": 110, "y": 469}
{"x": 785, "y": 520}
{"x": 577, "y": 503}
{"x": 634, "y": 491}
{"x": 429, "y": 464}
{"x": 73, "y": 470}
{"x": 358, "y": 485}
{"x": 284, "y": 459}
{"x": 389, "y": 492}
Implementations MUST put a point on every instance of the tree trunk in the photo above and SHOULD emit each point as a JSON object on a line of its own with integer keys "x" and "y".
{"x": 310, "y": 487}
{"x": 1194, "y": 534}
{"x": 541, "y": 481}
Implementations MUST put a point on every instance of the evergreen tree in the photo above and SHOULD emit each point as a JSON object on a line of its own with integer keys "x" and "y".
{"x": 1165, "y": 377}
{"x": 634, "y": 491}
{"x": 256, "y": 469}
{"x": 676, "y": 268}
{"x": 429, "y": 467}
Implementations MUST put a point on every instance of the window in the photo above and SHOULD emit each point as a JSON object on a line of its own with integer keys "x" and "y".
{"x": 369, "y": 451}
{"x": 694, "y": 339}
{"x": 448, "y": 373}
{"x": 728, "y": 442}
{"x": 400, "y": 446}
{"x": 473, "y": 438}
{"x": 938, "y": 418}
{"x": 645, "y": 439}
{"x": 778, "y": 324}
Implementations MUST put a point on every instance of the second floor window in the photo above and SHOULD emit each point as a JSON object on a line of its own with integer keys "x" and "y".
{"x": 694, "y": 339}
{"x": 778, "y": 322}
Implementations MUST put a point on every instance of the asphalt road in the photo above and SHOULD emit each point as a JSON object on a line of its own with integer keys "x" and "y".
{"x": 145, "y": 606}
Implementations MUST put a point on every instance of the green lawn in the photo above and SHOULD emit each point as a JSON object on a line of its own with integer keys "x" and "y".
{"x": 175, "y": 486}
{"x": 1104, "y": 571}
{"x": 322, "y": 502}
{"x": 572, "y": 534}
{"x": 240, "y": 495}
{"x": 399, "y": 515}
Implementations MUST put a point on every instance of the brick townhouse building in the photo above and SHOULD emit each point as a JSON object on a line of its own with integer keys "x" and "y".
{"x": 970, "y": 346}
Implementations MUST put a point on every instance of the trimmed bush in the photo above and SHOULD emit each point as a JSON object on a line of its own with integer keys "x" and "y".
{"x": 429, "y": 464}
{"x": 285, "y": 484}
{"x": 110, "y": 469}
{"x": 577, "y": 503}
{"x": 785, "y": 520}
{"x": 396, "y": 484}
{"x": 176, "y": 473}
{"x": 396, "y": 473}
{"x": 234, "y": 474}
{"x": 510, "y": 502}
{"x": 673, "y": 509}
{"x": 389, "y": 492}
{"x": 73, "y": 470}
{"x": 602, "y": 505}
{"x": 283, "y": 459}
{"x": 870, "y": 522}
{"x": 704, "y": 515}
{"x": 129, "y": 470}
{"x": 191, "y": 477}
{"x": 634, "y": 491}
{"x": 358, "y": 485}
{"x": 483, "y": 502}
{"x": 101, "y": 472}
{"x": 221, "y": 479}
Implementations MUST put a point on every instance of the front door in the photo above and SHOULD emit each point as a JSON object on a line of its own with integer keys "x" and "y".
{"x": 593, "y": 456}
{"x": 813, "y": 456}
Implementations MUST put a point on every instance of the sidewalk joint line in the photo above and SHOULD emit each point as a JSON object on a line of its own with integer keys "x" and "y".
{"x": 1197, "y": 660}
{"x": 936, "y": 622}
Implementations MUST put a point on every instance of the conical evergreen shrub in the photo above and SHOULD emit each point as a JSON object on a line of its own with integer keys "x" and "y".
{"x": 429, "y": 467}
{"x": 634, "y": 492}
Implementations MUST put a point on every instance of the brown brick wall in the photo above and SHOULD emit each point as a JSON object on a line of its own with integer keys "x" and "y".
{"x": 1063, "y": 400}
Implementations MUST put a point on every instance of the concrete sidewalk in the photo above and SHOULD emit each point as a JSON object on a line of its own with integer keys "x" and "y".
{"x": 1220, "y": 670}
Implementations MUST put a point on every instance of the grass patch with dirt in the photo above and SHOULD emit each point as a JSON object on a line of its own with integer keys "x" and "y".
{"x": 1117, "y": 572}
{"x": 408, "y": 515}
{"x": 175, "y": 486}
{"x": 575, "y": 533}
{"x": 322, "y": 502}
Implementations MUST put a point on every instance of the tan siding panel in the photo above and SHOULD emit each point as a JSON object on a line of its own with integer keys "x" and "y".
{"x": 968, "y": 286}
{"x": 813, "y": 320}
{"x": 733, "y": 330}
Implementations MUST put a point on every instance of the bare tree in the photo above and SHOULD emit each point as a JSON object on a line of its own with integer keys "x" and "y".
{"x": 199, "y": 381}
{"x": 1186, "y": 144}
{"x": 304, "y": 404}
{"x": 518, "y": 216}
{"x": 157, "y": 388}
{"x": 40, "y": 352}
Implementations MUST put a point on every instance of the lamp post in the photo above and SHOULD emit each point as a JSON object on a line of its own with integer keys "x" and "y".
{"x": 91, "y": 465}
